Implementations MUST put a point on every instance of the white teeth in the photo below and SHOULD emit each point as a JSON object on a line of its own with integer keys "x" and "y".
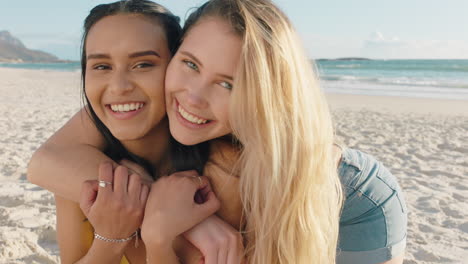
{"x": 126, "y": 107}
{"x": 190, "y": 117}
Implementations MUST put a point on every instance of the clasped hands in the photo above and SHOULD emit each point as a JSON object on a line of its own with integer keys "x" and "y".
{"x": 179, "y": 204}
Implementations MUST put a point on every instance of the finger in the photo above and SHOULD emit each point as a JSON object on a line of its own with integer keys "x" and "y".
{"x": 223, "y": 241}
{"x": 222, "y": 255}
{"x": 190, "y": 173}
{"x": 106, "y": 175}
{"x": 135, "y": 168}
{"x": 206, "y": 188}
{"x": 210, "y": 205}
{"x": 188, "y": 182}
{"x": 89, "y": 190}
{"x": 200, "y": 181}
{"x": 203, "y": 211}
{"x": 212, "y": 256}
{"x": 206, "y": 184}
{"x": 235, "y": 253}
{"x": 134, "y": 187}
{"x": 114, "y": 165}
{"x": 121, "y": 180}
{"x": 144, "y": 194}
{"x": 199, "y": 199}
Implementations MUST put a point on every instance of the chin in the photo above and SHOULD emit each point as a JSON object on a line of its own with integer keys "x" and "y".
{"x": 125, "y": 135}
{"x": 184, "y": 140}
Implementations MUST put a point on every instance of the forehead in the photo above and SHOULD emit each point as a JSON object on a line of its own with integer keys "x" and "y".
{"x": 213, "y": 38}
{"x": 133, "y": 32}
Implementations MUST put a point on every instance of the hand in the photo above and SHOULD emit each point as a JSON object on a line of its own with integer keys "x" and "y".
{"x": 171, "y": 208}
{"x": 218, "y": 241}
{"x": 134, "y": 168}
{"x": 115, "y": 211}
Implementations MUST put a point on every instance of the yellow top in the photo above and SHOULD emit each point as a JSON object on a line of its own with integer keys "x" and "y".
{"x": 89, "y": 236}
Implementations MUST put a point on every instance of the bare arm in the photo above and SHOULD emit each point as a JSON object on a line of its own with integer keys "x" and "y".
{"x": 69, "y": 157}
{"x": 72, "y": 240}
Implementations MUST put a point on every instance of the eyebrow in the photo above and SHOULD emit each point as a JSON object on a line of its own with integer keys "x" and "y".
{"x": 144, "y": 53}
{"x": 188, "y": 54}
{"x": 132, "y": 55}
{"x": 226, "y": 76}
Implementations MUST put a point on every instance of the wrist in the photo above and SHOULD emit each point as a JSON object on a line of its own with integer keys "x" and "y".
{"x": 158, "y": 242}
{"x": 161, "y": 253}
{"x": 117, "y": 240}
{"x": 114, "y": 245}
{"x": 157, "y": 239}
{"x": 113, "y": 251}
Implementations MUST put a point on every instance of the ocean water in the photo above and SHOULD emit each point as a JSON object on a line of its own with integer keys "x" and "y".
{"x": 444, "y": 79}
{"x": 70, "y": 66}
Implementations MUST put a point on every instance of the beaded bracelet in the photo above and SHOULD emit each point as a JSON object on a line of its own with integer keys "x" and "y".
{"x": 112, "y": 240}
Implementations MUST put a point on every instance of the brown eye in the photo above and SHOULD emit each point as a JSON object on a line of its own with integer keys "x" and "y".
{"x": 143, "y": 65}
{"x": 101, "y": 67}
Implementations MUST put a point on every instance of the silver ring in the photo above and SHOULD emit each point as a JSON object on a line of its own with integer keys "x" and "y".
{"x": 103, "y": 184}
{"x": 199, "y": 180}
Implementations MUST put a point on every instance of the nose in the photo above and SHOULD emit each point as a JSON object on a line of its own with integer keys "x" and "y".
{"x": 197, "y": 94}
{"x": 120, "y": 83}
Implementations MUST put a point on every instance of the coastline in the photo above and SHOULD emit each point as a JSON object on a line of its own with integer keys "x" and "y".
{"x": 398, "y": 104}
{"x": 422, "y": 141}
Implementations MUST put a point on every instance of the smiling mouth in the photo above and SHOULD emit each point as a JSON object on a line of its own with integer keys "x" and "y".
{"x": 124, "y": 108}
{"x": 190, "y": 118}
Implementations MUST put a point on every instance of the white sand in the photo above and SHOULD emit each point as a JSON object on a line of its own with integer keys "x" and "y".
{"x": 35, "y": 104}
{"x": 423, "y": 142}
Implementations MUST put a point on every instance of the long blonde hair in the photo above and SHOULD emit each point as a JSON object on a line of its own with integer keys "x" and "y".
{"x": 289, "y": 185}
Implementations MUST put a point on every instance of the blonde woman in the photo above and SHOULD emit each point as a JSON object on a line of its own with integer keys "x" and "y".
{"x": 241, "y": 75}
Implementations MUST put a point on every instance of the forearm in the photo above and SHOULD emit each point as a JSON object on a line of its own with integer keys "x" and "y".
{"x": 62, "y": 170}
{"x": 161, "y": 254}
{"x": 73, "y": 237}
{"x": 69, "y": 157}
{"x": 103, "y": 252}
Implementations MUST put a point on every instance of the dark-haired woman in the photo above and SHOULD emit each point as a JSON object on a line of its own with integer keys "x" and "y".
{"x": 127, "y": 46}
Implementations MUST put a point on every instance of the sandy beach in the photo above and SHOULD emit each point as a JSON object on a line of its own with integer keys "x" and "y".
{"x": 424, "y": 142}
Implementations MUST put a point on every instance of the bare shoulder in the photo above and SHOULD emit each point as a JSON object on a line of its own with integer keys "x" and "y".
{"x": 223, "y": 156}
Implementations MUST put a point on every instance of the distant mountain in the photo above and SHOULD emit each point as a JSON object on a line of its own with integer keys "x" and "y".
{"x": 13, "y": 50}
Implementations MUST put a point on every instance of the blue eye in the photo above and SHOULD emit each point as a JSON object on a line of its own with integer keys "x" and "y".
{"x": 226, "y": 85}
{"x": 191, "y": 65}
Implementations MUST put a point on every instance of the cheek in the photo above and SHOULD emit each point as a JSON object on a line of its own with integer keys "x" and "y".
{"x": 171, "y": 81}
{"x": 91, "y": 91}
{"x": 221, "y": 104}
{"x": 153, "y": 83}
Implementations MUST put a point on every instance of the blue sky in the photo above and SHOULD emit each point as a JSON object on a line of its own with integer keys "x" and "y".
{"x": 329, "y": 28}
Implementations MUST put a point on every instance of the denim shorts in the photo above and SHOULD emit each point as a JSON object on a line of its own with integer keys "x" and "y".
{"x": 374, "y": 215}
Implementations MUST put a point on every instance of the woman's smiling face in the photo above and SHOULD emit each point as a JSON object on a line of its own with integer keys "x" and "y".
{"x": 127, "y": 57}
{"x": 199, "y": 81}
